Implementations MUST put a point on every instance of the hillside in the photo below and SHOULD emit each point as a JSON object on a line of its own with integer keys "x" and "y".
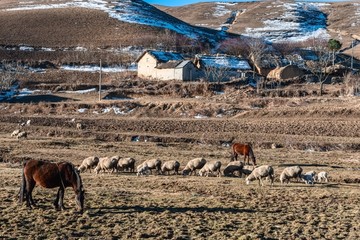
{"x": 65, "y": 23}
{"x": 71, "y": 23}
{"x": 278, "y": 21}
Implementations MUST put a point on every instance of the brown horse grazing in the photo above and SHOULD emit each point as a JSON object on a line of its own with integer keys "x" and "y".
{"x": 243, "y": 149}
{"x": 51, "y": 175}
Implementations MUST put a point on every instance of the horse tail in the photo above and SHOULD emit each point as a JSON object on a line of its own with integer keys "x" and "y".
{"x": 233, "y": 152}
{"x": 23, "y": 186}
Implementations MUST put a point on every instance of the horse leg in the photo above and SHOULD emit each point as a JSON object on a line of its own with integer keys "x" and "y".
{"x": 61, "y": 198}
{"x": 22, "y": 192}
{"x": 56, "y": 202}
{"x": 28, "y": 194}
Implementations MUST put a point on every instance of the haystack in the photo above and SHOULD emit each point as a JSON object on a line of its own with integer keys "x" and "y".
{"x": 287, "y": 72}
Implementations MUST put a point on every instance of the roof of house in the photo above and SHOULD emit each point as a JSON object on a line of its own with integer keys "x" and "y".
{"x": 162, "y": 56}
{"x": 173, "y": 64}
{"x": 223, "y": 61}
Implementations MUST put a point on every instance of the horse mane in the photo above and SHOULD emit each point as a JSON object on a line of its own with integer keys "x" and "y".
{"x": 78, "y": 178}
{"x": 74, "y": 171}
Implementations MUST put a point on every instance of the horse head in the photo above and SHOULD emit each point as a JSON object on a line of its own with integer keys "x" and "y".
{"x": 79, "y": 199}
{"x": 80, "y": 192}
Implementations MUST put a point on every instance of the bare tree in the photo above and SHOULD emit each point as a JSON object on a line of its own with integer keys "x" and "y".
{"x": 8, "y": 74}
{"x": 235, "y": 46}
{"x": 318, "y": 67}
{"x": 352, "y": 84}
{"x": 216, "y": 69}
{"x": 287, "y": 49}
{"x": 257, "y": 48}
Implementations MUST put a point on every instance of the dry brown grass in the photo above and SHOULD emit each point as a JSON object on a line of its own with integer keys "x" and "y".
{"x": 319, "y": 134}
{"x": 175, "y": 207}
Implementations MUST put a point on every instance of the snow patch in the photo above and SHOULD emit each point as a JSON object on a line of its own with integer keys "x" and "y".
{"x": 92, "y": 68}
{"x": 220, "y": 10}
{"x": 300, "y": 21}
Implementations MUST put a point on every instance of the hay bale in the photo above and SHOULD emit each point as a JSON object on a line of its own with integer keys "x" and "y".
{"x": 287, "y": 72}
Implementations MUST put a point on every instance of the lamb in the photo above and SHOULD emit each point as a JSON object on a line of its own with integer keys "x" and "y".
{"x": 88, "y": 163}
{"x": 79, "y": 126}
{"x": 313, "y": 174}
{"x": 107, "y": 164}
{"x": 154, "y": 164}
{"x": 211, "y": 167}
{"x": 126, "y": 164}
{"x": 170, "y": 166}
{"x": 22, "y": 135}
{"x": 322, "y": 176}
{"x": 308, "y": 177}
{"x": 15, "y": 132}
{"x": 247, "y": 170}
{"x": 192, "y": 165}
{"x": 290, "y": 172}
{"x": 261, "y": 172}
{"x": 232, "y": 167}
{"x": 142, "y": 169}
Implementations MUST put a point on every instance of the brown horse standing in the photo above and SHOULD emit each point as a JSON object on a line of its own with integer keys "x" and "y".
{"x": 51, "y": 175}
{"x": 243, "y": 149}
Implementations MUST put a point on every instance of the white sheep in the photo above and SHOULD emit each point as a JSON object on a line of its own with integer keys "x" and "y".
{"x": 154, "y": 164}
{"x": 142, "y": 169}
{"x": 106, "y": 164}
{"x": 290, "y": 172}
{"x": 211, "y": 167}
{"x": 126, "y": 164}
{"x": 15, "y": 132}
{"x": 88, "y": 163}
{"x": 322, "y": 176}
{"x": 192, "y": 165}
{"x": 232, "y": 167}
{"x": 261, "y": 172}
{"x": 170, "y": 166}
{"x": 79, "y": 126}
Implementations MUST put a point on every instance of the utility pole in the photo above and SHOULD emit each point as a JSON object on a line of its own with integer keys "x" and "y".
{"x": 352, "y": 54}
{"x": 100, "y": 82}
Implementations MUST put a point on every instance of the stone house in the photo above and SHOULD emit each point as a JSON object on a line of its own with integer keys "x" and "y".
{"x": 165, "y": 66}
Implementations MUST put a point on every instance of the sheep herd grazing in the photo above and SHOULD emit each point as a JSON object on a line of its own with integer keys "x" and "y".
{"x": 204, "y": 167}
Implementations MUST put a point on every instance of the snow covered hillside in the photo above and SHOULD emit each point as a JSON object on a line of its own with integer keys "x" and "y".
{"x": 131, "y": 11}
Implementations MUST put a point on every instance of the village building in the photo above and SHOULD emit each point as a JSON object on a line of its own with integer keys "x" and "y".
{"x": 165, "y": 66}
{"x": 222, "y": 67}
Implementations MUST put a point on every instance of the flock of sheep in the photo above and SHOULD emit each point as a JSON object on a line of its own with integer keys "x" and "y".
{"x": 21, "y": 133}
{"x": 205, "y": 168}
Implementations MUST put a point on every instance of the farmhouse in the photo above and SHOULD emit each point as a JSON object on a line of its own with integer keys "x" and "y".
{"x": 222, "y": 67}
{"x": 165, "y": 66}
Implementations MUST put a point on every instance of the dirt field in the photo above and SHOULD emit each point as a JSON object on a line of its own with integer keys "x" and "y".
{"x": 316, "y": 133}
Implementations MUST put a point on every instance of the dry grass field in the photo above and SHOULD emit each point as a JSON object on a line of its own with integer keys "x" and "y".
{"x": 315, "y": 133}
